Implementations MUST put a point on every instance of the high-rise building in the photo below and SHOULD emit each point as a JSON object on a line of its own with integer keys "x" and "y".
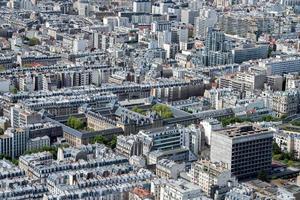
{"x": 13, "y": 142}
{"x": 142, "y": 6}
{"x": 247, "y": 149}
{"x": 21, "y": 116}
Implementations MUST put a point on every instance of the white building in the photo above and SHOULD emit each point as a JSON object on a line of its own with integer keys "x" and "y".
{"x": 169, "y": 169}
{"x": 210, "y": 125}
{"x": 13, "y": 142}
{"x": 142, "y": 6}
{"x": 180, "y": 189}
{"x": 209, "y": 175}
{"x": 79, "y": 45}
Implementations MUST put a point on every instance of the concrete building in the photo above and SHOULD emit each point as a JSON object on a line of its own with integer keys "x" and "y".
{"x": 286, "y": 103}
{"x": 292, "y": 81}
{"x": 180, "y": 190}
{"x": 210, "y": 176}
{"x": 169, "y": 169}
{"x": 37, "y": 143}
{"x": 243, "y": 82}
{"x": 13, "y": 142}
{"x": 142, "y": 6}
{"x": 281, "y": 66}
{"x": 247, "y": 149}
{"x": 210, "y": 125}
{"x": 275, "y": 82}
{"x": 171, "y": 138}
{"x": 291, "y": 192}
{"x": 129, "y": 145}
{"x": 21, "y": 116}
{"x": 250, "y": 52}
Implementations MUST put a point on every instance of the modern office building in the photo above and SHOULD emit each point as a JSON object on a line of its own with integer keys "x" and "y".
{"x": 142, "y": 6}
{"x": 246, "y": 149}
{"x": 21, "y": 116}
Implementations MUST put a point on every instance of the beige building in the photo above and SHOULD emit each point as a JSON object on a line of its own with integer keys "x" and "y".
{"x": 208, "y": 175}
{"x": 286, "y": 103}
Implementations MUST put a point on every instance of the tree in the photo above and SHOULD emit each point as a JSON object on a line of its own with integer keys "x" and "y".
{"x": 262, "y": 175}
{"x": 113, "y": 142}
{"x": 296, "y": 123}
{"x": 75, "y": 123}
{"x": 283, "y": 116}
{"x": 270, "y": 118}
{"x": 230, "y": 120}
{"x": 100, "y": 139}
{"x": 290, "y": 163}
{"x": 275, "y": 148}
{"x": 270, "y": 50}
{"x": 278, "y": 157}
{"x": 33, "y": 41}
{"x": 13, "y": 90}
{"x": 138, "y": 110}
{"x": 1, "y": 131}
{"x": 163, "y": 111}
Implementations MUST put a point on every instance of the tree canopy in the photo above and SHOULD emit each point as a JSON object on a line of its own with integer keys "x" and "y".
{"x": 75, "y": 123}
{"x": 163, "y": 111}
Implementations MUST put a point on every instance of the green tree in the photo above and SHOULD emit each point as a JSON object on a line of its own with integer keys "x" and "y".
{"x": 51, "y": 149}
{"x": 163, "y": 111}
{"x": 278, "y": 157}
{"x": 262, "y": 175}
{"x": 33, "y": 41}
{"x": 113, "y": 142}
{"x": 1, "y": 131}
{"x": 270, "y": 50}
{"x": 270, "y": 118}
{"x": 290, "y": 163}
{"x": 100, "y": 139}
{"x": 138, "y": 110}
{"x": 296, "y": 122}
{"x": 13, "y": 90}
{"x": 231, "y": 120}
{"x": 75, "y": 123}
{"x": 275, "y": 148}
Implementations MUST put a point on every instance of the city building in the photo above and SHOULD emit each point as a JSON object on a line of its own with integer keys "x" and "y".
{"x": 211, "y": 177}
{"x": 246, "y": 149}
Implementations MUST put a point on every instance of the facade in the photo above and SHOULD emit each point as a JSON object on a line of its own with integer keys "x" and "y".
{"x": 210, "y": 125}
{"x": 244, "y": 82}
{"x": 170, "y": 138}
{"x": 142, "y": 6}
{"x": 21, "y": 116}
{"x": 13, "y": 142}
{"x": 210, "y": 176}
{"x": 286, "y": 103}
{"x": 289, "y": 192}
{"x": 250, "y": 53}
{"x": 169, "y": 169}
{"x": 281, "y": 66}
{"x": 247, "y": 149}
{"x": 129, "y": 145}
{"x": 37, "y": 143}
{"x": 180, "y": 190}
